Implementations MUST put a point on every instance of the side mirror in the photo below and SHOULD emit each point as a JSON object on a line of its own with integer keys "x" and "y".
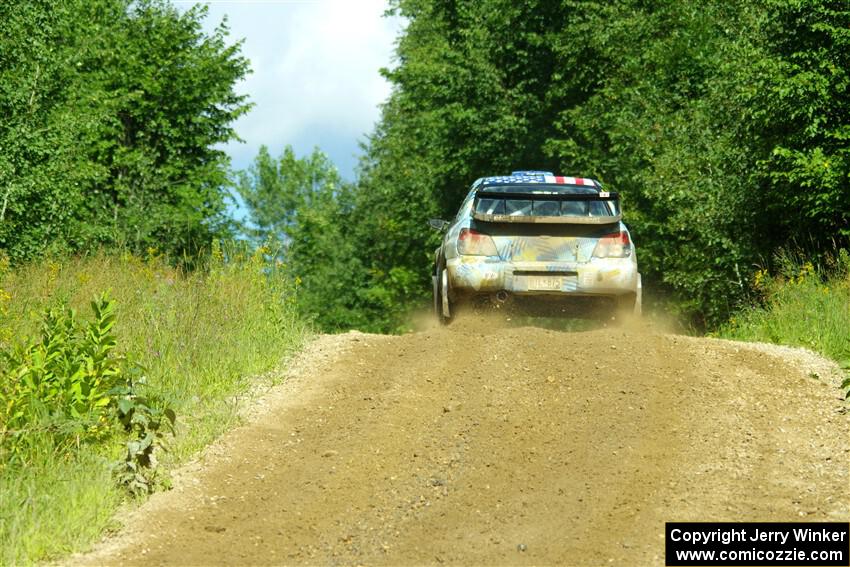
{"x": 438, "y": 224}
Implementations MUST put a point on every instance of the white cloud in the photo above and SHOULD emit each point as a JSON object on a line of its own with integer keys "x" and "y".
{"x": 315, "y": 78}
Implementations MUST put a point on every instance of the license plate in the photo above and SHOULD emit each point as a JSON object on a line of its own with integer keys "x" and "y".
{"x": 545, "y": 283}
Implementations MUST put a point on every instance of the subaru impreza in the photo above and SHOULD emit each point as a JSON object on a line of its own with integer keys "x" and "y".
{"x": 550, "y": 243}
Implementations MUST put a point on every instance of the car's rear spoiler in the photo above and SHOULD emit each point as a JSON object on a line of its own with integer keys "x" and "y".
{"x": 541, "y": 196}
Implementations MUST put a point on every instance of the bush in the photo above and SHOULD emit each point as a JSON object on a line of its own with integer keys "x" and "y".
{"x": 61, "y": 383}
{"x": 86, "y": 400}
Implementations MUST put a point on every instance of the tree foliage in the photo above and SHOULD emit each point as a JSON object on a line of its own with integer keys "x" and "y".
{"x": 723, "y": 125}
{"x": 300, "y": 211}
{"x": 112, "y": 110}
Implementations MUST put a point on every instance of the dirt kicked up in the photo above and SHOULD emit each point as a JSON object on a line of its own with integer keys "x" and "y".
{"x": 483, "y": 445}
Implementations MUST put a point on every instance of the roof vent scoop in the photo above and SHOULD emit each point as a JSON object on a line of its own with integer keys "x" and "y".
{"x": 531, "y": 172}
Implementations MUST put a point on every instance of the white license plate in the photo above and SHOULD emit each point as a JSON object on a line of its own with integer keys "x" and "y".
{"x": 545, "y": 283}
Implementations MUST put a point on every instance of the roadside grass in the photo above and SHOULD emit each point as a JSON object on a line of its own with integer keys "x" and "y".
{"x": 55, "y": 505}
{"x": 201, "y": 337}
{"x": 803, "y": 304}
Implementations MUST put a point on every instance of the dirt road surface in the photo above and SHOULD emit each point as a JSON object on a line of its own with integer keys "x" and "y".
{"x": 485, "y": 444}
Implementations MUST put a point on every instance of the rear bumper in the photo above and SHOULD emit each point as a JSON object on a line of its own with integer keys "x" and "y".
{"x": 476, "y": 275}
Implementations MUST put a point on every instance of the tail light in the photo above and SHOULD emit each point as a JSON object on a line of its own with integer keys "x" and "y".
{"x": 474, "y": 243}
{"x": 615, "y": 245}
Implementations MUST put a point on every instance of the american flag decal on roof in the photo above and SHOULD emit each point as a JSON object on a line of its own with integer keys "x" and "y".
{"x": 521, "y": 178}
{"x": 560, "y": 179}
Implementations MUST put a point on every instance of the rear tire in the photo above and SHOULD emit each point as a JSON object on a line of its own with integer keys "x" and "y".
{"x": 441, "y": 298}
{"x": 627, "y": 306}
{"x": 638, "y": 309}
{"x": 436, "y": 304}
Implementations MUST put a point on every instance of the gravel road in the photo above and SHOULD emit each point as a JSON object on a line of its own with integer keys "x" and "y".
{"x": 498, "y": 445}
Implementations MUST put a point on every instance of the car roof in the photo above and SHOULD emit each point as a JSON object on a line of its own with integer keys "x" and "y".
{"x": 534, "y": 177}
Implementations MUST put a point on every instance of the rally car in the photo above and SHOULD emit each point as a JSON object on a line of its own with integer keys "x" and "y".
{"x": 554, "y": 244}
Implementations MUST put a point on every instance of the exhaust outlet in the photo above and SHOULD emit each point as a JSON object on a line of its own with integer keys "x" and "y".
{"x": 501, "y": 296}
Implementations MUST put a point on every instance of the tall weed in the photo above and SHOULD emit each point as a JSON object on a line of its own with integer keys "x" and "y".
{"x": 803, "y": 304}
{"x": 199, "y": 337}
{"x": 59, "y": 384}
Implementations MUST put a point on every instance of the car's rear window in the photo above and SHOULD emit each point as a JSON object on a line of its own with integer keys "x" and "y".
{"x": 516, "y": 206}
{"x": 529, "y": 208}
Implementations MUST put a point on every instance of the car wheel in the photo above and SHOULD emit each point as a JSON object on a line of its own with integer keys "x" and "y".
{"x": 442, "y": 303}
{"x": 435, "y": 290}
{"x": 627, "y": 306}
{"x": 637, "y": 311}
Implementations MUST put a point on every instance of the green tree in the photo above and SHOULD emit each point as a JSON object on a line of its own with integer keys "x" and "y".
{"x": 470, "y": 99}
{"x": 172, "y": 102}
{"x": 723, "y": 126}
{"x": 45, "y": 110}
{"x": 112, "y": 112}
{"x": 300, "y": 208}
{"x": 661, "y": 122}
{"x": 797, "y": 109}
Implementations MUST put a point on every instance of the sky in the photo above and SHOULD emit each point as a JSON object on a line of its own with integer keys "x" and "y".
{"x": 315, "y": 79}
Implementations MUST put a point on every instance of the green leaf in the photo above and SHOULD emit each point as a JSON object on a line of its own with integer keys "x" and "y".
{"x": 125, "y": 405}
